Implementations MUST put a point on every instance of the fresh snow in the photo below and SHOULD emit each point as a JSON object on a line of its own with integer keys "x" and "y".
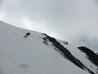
{"x": 19, "y": 55}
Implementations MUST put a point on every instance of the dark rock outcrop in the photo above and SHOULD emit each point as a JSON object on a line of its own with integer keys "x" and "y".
{"x": 93, "y": 57}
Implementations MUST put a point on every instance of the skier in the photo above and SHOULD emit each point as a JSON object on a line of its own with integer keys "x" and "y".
{"x": 26, "y": 35}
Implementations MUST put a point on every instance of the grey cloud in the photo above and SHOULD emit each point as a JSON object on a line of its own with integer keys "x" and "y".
{"x": 64, "y": 19}
{"x": 51, "y": 11}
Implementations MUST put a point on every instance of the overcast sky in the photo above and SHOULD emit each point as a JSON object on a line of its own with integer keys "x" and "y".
{"x": 63, "y": 19}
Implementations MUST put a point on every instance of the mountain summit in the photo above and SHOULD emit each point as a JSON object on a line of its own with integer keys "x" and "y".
{"x": 27, "y": 52}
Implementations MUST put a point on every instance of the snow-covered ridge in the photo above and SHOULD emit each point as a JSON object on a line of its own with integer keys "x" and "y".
{"x": 28, "y": 52}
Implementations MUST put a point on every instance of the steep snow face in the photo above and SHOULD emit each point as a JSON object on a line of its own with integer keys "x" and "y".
{"x": 82, "y": 56}
{"x": 27, "y": 52}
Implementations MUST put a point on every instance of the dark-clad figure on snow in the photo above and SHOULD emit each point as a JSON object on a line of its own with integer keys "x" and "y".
{"x": 26, "y": 35}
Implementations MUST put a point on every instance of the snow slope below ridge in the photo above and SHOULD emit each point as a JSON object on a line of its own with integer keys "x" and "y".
{"x": 30, "y": 55}
{"x": 81, "y": 56}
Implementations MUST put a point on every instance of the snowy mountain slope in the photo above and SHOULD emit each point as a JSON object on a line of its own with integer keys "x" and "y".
{"x": 83, "y": 57}
{"x": 27, "y": 52}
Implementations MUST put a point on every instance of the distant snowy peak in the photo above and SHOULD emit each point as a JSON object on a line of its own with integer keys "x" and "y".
{"x": 24, "y": 51}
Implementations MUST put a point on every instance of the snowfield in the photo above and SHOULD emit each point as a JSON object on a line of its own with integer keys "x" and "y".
{"x": 37, "y": 54}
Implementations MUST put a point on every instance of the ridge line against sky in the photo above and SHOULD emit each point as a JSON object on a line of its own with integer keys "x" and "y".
{"x": 63, "y": 19}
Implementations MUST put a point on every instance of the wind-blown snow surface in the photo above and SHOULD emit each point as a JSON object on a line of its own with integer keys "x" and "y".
{"x": 31, "y": 55}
